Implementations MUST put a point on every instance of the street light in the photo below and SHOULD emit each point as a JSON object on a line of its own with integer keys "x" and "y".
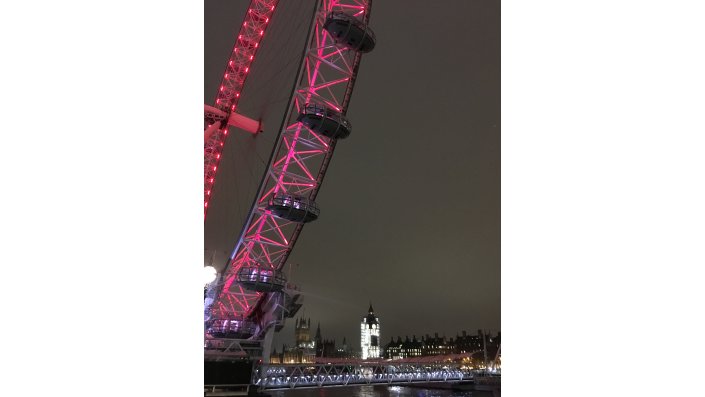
{"x": 209, "y": 274}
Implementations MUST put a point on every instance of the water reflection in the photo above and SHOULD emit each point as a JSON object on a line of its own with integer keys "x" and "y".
{"x": 380, "y": 391}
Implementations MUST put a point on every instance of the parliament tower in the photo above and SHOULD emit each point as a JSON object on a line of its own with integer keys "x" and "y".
{"x": 370, "y": 335}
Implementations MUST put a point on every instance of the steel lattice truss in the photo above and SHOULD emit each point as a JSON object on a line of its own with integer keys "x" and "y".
{"x": 251, "y": 33}
{"x": 308, "y": 375}
{"x": 233, "y": 348}
{"x": 299, "y": 163}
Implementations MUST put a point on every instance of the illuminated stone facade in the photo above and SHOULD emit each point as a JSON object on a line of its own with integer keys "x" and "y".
{"x": 370, "y": 336}
{"x": 439, "y": 346}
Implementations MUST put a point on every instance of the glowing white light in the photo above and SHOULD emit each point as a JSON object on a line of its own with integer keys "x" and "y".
{"x": 209, "y": 274}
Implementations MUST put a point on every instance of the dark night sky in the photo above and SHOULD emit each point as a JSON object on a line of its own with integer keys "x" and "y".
{"x": 410, "y": 206}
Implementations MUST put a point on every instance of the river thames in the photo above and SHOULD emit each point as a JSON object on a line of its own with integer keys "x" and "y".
{"x": 380, "y": 391}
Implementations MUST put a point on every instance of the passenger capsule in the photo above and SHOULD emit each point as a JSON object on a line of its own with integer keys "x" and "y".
{"x": 294, "y": 208}
{"x": 232, "y": 328}
{"x": 260, "y": 280}
{"x": 325, "y": 121}
{"x": 350, "y": 32}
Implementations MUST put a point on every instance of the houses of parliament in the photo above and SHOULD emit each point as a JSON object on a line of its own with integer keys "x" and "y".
{"x": 306, "y": 349}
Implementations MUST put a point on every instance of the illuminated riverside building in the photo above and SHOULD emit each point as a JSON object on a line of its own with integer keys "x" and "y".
{"x": 435, "y": 346}
{"x": 439, "y": 346}
{"x": 407, "y": 348}
{"x": 303, "y": 352}
{"x": 303, "y": 334}
{"x": 370, "y": 335}
{"x": 306, "y": 349}
{"x": 291, "y": 355}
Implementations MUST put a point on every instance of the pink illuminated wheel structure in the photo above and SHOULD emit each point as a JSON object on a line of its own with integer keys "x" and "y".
{"x": 251, "y": 297}
{"x": 223, "y": 114}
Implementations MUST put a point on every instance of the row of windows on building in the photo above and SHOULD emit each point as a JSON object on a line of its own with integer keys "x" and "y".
{"x": 435, "y": 345}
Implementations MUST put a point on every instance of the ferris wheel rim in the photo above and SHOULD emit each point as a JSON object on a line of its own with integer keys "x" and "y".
{"x": 226, "y": 100}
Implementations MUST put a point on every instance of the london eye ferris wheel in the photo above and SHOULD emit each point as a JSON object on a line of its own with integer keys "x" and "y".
{"x": 269, "y": 136}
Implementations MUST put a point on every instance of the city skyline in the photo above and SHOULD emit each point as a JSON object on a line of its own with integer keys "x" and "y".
{"x": 354, "y": 342}
{"x": 478, "y": 350}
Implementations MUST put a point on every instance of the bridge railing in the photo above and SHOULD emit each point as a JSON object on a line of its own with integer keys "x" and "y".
{"x": 380, "y": 361}
{"x": 307, "y": 375}
{"x": 226, "y": 390}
